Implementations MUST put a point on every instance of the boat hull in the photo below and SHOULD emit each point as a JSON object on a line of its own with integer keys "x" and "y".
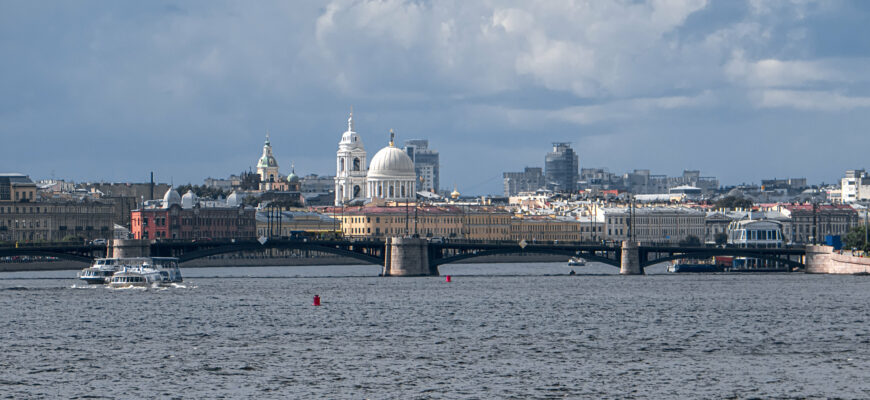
{"x": 695, "y": 268}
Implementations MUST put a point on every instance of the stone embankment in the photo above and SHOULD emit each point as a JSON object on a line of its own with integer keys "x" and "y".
{"x": 825, "y": 260}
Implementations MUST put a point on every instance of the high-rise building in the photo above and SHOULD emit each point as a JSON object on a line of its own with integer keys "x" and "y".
{"x": 561, "y": 167}
{"x": 530, "y": 180}
{"x": 426, "y": 164}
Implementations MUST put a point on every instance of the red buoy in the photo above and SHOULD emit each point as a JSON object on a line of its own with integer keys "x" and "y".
{"x": 316, "y": 300}
{"x": 448, "y": 278}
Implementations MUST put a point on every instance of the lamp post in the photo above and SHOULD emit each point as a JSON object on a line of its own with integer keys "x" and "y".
{"x": 416, "y": 207}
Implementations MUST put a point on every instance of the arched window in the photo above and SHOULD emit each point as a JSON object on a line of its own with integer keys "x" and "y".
{"x": 356, "y": 191}
{"x": 392, "y": 192}
{"x": 380, "y": 191}
{"x": 341, "y": 165}
{"x": 356, "y": 164}
{"x": 271, "y": 178}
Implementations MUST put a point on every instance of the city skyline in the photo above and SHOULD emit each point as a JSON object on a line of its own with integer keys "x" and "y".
{"x": 742, "y": 91}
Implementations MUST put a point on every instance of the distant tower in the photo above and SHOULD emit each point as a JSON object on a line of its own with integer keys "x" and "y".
{"x": 267, "y": 167}
{"x": 350, "y": 175}
{"x": 561, "y": 166}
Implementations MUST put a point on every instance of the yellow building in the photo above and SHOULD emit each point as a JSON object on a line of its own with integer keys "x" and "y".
{"x": 373, "y": 221}
{"x": 282, "y": 223}
{"x": 487, "y": 224}
{"x": 546, "y": 229}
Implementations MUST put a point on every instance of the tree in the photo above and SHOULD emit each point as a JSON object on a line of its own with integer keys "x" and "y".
{"x": 732, "y": 202}
{"x": 856, "y": 239}
{"x": 690, "y": 241}
{"x": 721, "y": 238}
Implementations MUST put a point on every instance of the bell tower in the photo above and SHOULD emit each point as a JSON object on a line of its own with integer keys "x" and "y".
{"x": 267, "y": 167}
{"x": 350, "y": 173}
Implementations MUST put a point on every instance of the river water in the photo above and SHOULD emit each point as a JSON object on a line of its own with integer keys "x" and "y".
{"x": 495, "y": 331}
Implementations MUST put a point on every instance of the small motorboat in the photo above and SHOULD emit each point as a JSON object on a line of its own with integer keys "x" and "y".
{"x": 576, "y": 262}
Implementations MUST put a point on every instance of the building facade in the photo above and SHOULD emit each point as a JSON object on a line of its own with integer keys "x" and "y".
{"x": 562, "y": 166}
{"x": 546, "y": 229}
{"x": 654, "y": 225}
{"x": 426, "y": 164}
{"x": 386, "y": 221}
{"x": 855, "y": 186}
{"x": 530, "y": 180}
{"x": 293, "y": 223}
{"x": 170, "y": 220}
{"x": 54, "y": 221}
{"x": 25, "y": 217}
{"x": 810, "y": 224}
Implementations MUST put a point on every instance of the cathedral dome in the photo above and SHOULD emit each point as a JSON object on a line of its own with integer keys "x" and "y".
{"x": 171, "y": 197}
{"x": 189, "y": 199}
{"x": 391, "y": 163}
{"x": 234, "y": 199}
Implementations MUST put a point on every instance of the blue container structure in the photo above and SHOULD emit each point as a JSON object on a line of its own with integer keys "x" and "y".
{"x": 835, "y": 241}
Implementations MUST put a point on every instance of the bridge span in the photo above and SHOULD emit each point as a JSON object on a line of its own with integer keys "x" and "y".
{"x": 408, "y": 256}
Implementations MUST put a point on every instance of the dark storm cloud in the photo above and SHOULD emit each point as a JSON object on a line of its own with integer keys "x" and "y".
{"x": 741, "y": 90}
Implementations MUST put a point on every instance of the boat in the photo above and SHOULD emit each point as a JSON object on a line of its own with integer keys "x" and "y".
{"x": 146, "y": 271}
{"x": 697, "y": 266}
{"x": 100, "y": 271}
{"x": 576, "y": 262}
{"x": 151, "y": 270}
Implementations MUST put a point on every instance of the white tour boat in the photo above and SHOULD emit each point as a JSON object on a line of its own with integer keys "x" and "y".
{"x": 100, "y": 271}
{"x": 576, "y": 262}
{"x": 133, "y": 271}
{"x": 146, "y": 271}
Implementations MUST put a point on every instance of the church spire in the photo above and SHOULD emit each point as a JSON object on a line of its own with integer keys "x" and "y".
{"x": 350, "y": 120}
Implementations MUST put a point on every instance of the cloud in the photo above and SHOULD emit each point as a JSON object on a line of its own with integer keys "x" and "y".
{"x": 810, "y": 100}
{"x": 92, "y": 78}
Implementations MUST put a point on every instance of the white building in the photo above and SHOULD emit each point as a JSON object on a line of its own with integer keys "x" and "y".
{"x": 390, "y": 175}
{"x": 755, "y": 233}
{"x": 855, "y": 186}
{"x": 350, "y": 177}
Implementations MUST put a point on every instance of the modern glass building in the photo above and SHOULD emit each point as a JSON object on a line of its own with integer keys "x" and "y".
{"x": 561, "y": 168}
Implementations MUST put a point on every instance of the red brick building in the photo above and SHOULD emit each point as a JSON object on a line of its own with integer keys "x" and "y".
{"x": 189, "y": 219}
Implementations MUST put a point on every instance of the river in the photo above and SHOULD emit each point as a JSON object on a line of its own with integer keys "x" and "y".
{"x": 496, "y": 331}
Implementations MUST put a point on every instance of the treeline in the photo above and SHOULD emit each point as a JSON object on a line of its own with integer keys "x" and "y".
{"x": 208, "y": 192}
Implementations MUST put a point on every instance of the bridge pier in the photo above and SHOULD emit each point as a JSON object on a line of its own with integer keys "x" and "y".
{"x": 407, "y": 257}
{"x": 629, "y": 260}
{"x": 124, "y": 248}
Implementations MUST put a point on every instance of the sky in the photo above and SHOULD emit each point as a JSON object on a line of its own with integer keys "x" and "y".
{"x": 741, "y": 90}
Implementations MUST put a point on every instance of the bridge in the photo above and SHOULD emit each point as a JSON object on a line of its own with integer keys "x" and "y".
{"x": 408, "y": 256}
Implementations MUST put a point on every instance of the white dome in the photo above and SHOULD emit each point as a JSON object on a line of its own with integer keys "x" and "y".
{"x": 171, "y": 197}
{"x": 391, "y": 163}
{"x": 233, "y": 199}
{"x": 189, "y": 199}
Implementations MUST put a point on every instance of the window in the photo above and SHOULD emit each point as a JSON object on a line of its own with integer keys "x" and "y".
{"x": 356, "y": 163}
